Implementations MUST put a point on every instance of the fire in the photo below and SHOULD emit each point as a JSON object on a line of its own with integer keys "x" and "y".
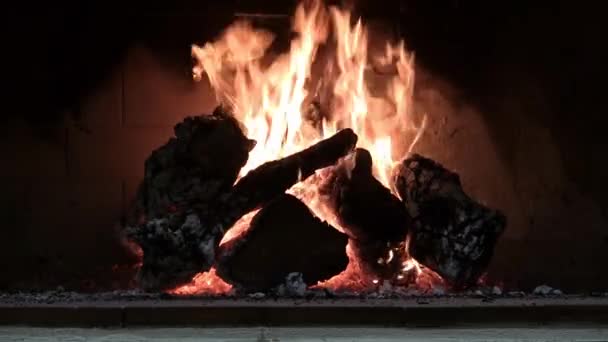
{"x": 208, "y": 283}
{"x": 272, "y": 96}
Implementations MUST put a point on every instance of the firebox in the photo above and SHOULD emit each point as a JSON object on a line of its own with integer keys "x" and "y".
{"x": 306, "y": 149}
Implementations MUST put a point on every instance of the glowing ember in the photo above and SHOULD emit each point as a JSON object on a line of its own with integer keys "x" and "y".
{"x": 207, "y": 283}
{"x": 272, "y": 96}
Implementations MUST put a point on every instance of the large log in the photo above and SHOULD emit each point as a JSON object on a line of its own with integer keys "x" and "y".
{"x": 183, "y": 242}
{"x": 452, "y": 234}
{"x": 200, "y": 162}
{"x": 284, "y": 237}
{"x": 369, "y": 213}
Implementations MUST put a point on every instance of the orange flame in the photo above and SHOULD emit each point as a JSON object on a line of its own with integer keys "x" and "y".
{"x": 270, "y": 95}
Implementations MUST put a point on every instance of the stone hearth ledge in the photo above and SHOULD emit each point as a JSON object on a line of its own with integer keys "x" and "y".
{"x": 414, "y": 312}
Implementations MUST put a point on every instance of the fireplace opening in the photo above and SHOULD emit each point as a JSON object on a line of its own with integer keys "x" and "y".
{"x": 308, "y": 148}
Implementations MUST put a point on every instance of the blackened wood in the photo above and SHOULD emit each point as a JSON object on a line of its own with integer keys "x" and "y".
{"x": 365, "y": 208}
{"x": 201, "y": 161}
{"x": 284, "y": 237}
{"x": 273, "y": 178}
{"x": 183, "y": 242}
{"x": 369, "y": 213}
{"x": 175, "y": 248}
{"x": 452, "y": 234}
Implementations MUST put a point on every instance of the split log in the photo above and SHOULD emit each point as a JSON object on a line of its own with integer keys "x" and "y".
{"x": 265, "y": 182}
{"x": 452, "y": 234}
{"x": 370, "y": 214}
{"x": 273, "y": 178}
{"x": 366, "y": 209}
{"x": 284, "y": 237}
{"x": 183, "y": 242}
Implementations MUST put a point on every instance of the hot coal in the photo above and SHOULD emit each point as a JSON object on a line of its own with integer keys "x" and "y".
{"x": 370, "y": 214}
{"x": 451, "y": 234}
{"x": 284, "y": 238}
{"x": 189, "y": 211}
{"x": 382, "y": 259}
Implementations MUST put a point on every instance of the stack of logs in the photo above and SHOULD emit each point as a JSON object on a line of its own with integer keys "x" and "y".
{"x": 189, "y": 199}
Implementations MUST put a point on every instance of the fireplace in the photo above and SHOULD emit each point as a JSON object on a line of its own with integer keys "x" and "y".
{"x": 472, "y": 96}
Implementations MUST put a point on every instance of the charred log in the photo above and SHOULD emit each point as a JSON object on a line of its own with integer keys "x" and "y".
{"x": 365, "y": 208}
{"x": 370, "y": 214}
{"x": 182, "y": 242}
{"x": 200, "y": 162}
{"x": 175, "y": 248}
{"x": 284, "y": 237}
{"x": 452, "y": 234}
{"x": 273, "y": 178}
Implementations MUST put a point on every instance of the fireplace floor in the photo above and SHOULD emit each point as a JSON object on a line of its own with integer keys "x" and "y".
{"x": 132, "y": 309}
{"x": 302, "y": 334}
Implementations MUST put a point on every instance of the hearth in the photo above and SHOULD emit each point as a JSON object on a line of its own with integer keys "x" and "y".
{"x": 316, "y": 149}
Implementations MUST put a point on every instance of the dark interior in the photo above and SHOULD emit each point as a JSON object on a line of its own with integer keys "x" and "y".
{"x": 93, "y": 88}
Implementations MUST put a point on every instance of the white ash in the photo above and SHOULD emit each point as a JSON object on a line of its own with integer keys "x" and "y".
{"x": 546, "y": 290}
{"x": 257, "y": 295}
{"x": 497, "y": 291}
{"x": 294, "y": 286}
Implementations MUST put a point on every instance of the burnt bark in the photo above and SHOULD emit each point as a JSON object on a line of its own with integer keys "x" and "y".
{"x": 181, "y": 240}
{"x": 284, "y": 237}
{"x": 452, "y": 234}
{"x": 201, "y": 161}
{"x": 370, "y": 214}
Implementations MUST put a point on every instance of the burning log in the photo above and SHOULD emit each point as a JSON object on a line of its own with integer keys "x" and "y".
{"x": 178, "y": 243}
{"x": 452, "y": 234}
{"x": 284, "y": 237}
{"x": 200, "y": 162}
{"x": 273, "y": 178}
{"x": 371, "y": 215}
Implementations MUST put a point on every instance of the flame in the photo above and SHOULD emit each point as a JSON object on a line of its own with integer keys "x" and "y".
{"x": 272, "y": 94}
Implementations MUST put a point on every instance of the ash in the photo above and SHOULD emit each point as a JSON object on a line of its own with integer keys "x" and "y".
{"x": 294, "y": 287}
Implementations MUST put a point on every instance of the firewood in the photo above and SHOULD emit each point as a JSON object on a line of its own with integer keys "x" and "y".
{"x": 183, "y": 242}
{"x": 201, "y": 161}
{"x": 370, "y": 214}
{"x": 284, "y": 237}
{"x": 451, "y": 234}
{"x": 365, "y": 208}
{"x": 270, "y": 179}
